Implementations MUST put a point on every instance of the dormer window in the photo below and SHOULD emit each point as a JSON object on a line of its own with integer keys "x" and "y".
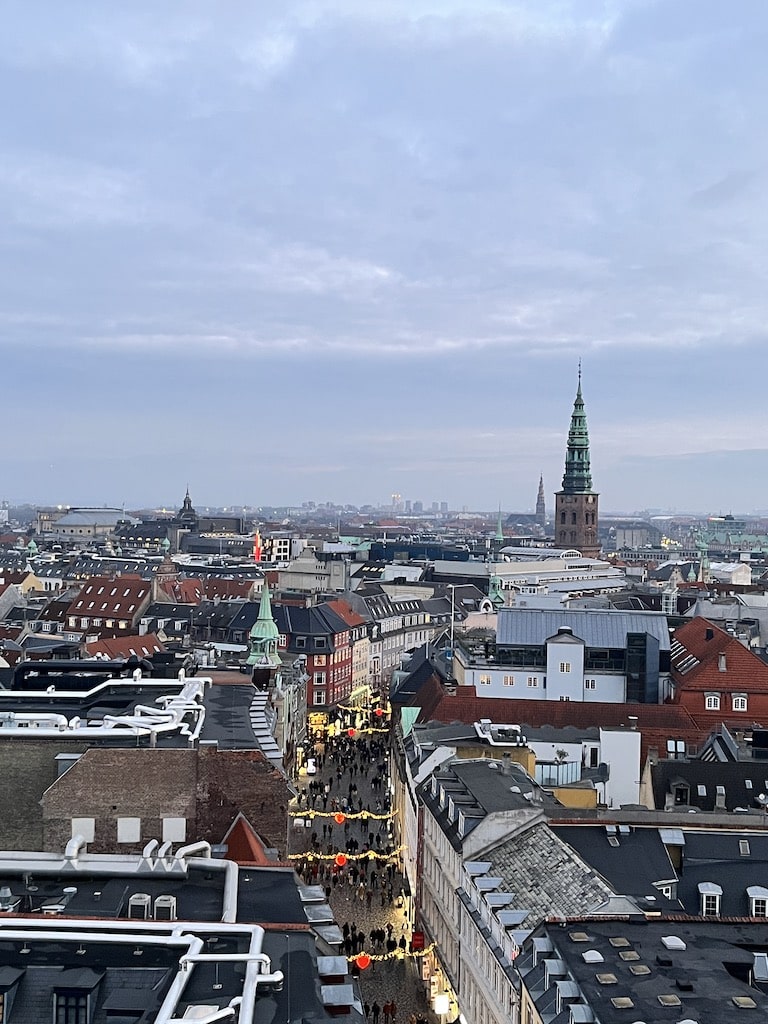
{"x": 710, "y": 895}
{"x": 758, "y": 901}
{"x": 739, "y": 702}
{"x": 712, "y": 701}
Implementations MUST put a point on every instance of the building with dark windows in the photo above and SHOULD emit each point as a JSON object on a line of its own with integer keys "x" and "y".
{"x": 576, "y": 504}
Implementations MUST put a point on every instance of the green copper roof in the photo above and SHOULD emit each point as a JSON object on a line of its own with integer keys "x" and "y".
{"x": 265, "y": 627}
{"x": 578, "y": 478}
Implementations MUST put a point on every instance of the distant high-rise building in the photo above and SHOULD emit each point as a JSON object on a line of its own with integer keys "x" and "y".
{"x": 418, "y": 506}
{"x": 541, "y": 508}
{"x": 443, "y": 506}
{"x": 576, "y": 504}
{"x": 407, "y": 504}
{"x": 435, "y": 506}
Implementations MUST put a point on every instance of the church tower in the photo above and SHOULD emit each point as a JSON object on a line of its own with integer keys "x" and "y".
{"x": 576, "y": 504}
{"x": 541, "y": 508}
{"x": 263, "y": 656}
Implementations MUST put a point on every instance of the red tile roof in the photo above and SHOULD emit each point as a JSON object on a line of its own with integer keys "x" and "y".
{"x": 124, "y": 646}
{"x": 348, "y": 614}
{"x": 119, "y": 597}
{"x": 697, "y": 664}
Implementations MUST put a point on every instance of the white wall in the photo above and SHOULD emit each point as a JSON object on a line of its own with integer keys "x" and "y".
{"x": 620, "y": 749}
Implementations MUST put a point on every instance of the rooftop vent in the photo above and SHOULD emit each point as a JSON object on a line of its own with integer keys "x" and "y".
{"x": 140, "y": 906}
{"x": 592, "y": 956}
{"x": 669, "y": 999}
{"x": 639, "y": 969}
{"x": 673, "y": 942}
{"x": 165, "y": 908}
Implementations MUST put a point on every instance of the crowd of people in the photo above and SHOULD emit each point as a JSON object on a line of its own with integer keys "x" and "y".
{"x": 348, "y": 804}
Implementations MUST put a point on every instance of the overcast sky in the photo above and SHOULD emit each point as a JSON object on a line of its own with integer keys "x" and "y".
{"x": 334, "y": 249}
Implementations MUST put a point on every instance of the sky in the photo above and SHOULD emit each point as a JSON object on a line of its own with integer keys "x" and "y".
{"x": 336, "y": 249}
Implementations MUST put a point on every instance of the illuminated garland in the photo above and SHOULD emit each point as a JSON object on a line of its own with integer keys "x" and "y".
{"x": 351, "y": 707}
{"x": 364, "y": 960}
{"x": 341, "y": 859}
{"x": 341, "y": 816}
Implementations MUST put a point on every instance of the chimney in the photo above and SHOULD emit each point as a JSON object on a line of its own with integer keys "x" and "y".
{"x": 632, "y": 721}
{"x": 506, "y": 764}
{"x": 709, "y": 633}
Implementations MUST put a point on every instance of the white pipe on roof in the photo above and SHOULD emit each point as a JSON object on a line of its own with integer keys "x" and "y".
{"x": 74, "y": 846}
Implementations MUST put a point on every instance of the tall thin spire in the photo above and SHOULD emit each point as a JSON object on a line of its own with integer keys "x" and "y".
{"x": 541, "y": 505}
{"x": 578, "y": 478}
{"x": 499, "y": 529}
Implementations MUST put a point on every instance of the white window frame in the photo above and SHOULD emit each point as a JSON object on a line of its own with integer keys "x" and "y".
{"x": 533, "y": 681}
{"x": 739, "y": 702}
{"x": 711, "y": 701}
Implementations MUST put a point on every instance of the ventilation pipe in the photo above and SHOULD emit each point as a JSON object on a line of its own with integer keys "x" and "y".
{"x": 74, "y": 846}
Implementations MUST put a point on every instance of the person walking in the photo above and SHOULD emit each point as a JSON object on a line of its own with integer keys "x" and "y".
{"x": 376, "y": 1010}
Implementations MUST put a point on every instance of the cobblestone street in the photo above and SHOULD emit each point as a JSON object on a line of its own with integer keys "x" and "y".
{"x": 359, "y": 895}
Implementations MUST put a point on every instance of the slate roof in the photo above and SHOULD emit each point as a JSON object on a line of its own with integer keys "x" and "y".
{"x": 742, "y": 781}
{"x": 597, "y": 628}
{"x": 631, "y": 868}
{"x": 547, "y": 876}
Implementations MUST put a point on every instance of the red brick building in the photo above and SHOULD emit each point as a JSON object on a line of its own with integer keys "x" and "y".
{"x": 109, "y": 606}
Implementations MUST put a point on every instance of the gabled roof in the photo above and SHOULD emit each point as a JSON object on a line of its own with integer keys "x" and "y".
{"x": 705, "y": 657}
{"x": 124, "y": 646}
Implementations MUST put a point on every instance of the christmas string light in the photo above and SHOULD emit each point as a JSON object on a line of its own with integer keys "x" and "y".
{"x": 342, "y": 858}
{"x": 364, "y": 960}
{"x": 379, "y": 712}
{"x": 341, "y": 816}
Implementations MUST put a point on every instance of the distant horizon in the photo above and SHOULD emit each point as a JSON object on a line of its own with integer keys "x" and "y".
{"x": 382, "y": 510}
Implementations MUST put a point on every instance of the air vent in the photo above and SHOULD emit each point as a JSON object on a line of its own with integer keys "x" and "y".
{"x": 672, "y": 942}
{"x": 140, "y": 906}
{"x": 684, "y": 984}
{"x": 592, "y": 956}
{"x": 165, "y": 908}
{"x": 664, "y": 961}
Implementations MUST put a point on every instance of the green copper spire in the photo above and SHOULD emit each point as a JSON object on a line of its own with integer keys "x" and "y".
{"x": 578, "y": 478}
{"x": 264, "y": 635}
{"x": 499, "y": 529}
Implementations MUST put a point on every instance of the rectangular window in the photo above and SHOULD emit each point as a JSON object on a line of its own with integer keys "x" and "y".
{"x": 301, "y": 641}
{"x": 319, "y": 678}
{"x": 739, "y": 702}
{"x": 712, "y": 702}
{"x": 590, "y": 684}
{"x": 485, "y": 680}
{"x": 509, "y": 680}
{"x": 710, "y": 905}
{"x": 760, "y": 907}
{"x": 565, "y": 666}
{"x": 71, "y": 1008}
{"x": 319, "y": 696}
{"x": 533, "y": 681}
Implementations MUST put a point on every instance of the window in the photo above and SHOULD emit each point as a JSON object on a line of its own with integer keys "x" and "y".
{"x": 71, "y": 1008}
{"x": 712, "y": 702}
{"x": 320, "y": 659}
{"x": 301, "y": 641}
{"x": 710, "y": 905}
{"x": 565, "y": 698}
{"x": 320, "y": 641}
{"x": 509, "y": 680}
{"x": 565, "y": 666}
{"x": 739, "y": 702}
{"x": 590, "y": 684}
{"x": 485, "y": 680}
{"x": 760, "y": 906}
{"x": 319, "y": 678}
{"x": 129, "y": 830}
{"x": 319, "y": 697}
{"x": 533, "y": 681}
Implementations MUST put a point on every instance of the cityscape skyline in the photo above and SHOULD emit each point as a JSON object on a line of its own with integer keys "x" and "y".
{"x": 332, "y": 250}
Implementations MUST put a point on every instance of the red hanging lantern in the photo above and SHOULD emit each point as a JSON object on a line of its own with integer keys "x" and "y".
{"x": 379, "y": 712}
{"x": 350, "y": 733}
{"x": 339, "y": 818}
{"x": 363, "y": 961}
{"x": 340, "y": 860}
